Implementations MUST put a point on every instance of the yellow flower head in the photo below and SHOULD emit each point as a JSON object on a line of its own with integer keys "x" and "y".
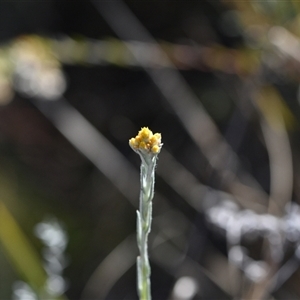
{"x": 146, "y": 141}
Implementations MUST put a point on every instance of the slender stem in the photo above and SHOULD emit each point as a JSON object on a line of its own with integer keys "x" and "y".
{"x": 144, "y": 227}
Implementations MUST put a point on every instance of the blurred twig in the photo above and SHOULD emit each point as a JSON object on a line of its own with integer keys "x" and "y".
{"x": 278, "y": 147}
{"x": 110, "y": 270}
{"x": 88, "y": 140}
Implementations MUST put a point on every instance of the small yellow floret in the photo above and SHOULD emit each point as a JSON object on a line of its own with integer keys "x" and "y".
{"x": 156, "y": 139}
{"x": 155, "y": 149}
{"x": 143, "y": 146}
{"x": 138, "y": 139}
{"x": 145, "y": 134}
{"x": 132, "y": 142}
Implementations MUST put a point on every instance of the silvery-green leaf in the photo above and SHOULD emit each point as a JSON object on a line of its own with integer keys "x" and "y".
{"x": 138, "y": 228}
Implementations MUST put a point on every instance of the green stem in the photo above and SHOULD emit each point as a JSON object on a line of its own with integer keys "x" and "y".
{"x": 144, "y": 218}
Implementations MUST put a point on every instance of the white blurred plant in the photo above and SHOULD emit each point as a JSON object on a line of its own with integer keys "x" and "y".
{"x": 54, "y": 237}
{"x": 37, "y": 71}
{"x": 238, "y": 225}
{"x": 22, "y": 291}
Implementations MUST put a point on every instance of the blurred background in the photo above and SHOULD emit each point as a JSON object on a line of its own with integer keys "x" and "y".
{"x": 218, "y": 79}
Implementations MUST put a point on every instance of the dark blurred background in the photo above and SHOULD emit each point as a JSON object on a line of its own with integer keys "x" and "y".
{"x": 218, "y": 79}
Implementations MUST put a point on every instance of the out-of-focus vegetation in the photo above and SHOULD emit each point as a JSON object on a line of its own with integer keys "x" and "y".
{"x": 218, "y": 79}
